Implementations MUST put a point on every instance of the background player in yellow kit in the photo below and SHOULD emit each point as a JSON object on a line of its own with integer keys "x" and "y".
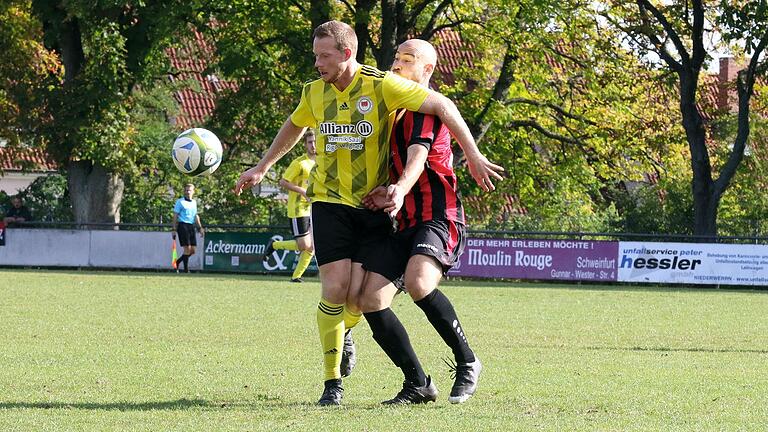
{"x": 296, "y": 180}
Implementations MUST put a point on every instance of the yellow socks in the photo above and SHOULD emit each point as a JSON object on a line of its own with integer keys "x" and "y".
{"x": 330, "y": 323}
{"x": 304, "y": 259}
{"x": 351, "y": 319}
{"x": 285, "y": 245}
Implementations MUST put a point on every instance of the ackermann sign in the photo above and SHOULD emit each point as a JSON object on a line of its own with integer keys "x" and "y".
{"x": 243, "y": 252}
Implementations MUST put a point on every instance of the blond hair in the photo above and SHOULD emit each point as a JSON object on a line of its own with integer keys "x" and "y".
{"x": 343, "y": 34}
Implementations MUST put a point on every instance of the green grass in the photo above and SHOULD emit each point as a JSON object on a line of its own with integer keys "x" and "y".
{"x": 86, "y": 351}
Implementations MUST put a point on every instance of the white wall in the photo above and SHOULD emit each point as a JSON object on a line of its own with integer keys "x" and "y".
{"x": 13, "y": 182}
{"x": 78, "y": 248}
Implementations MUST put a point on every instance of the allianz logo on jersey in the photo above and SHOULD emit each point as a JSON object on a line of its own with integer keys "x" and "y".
{"x": 363, "y": 127}
{"x": 345, "y": 135}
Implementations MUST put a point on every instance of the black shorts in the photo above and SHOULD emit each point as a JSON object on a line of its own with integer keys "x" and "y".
{"x": 301, "y": 226}
{"x": 186, "y": 233}
{"x": 344, "y": 232}
{"x": 443, "y": 240}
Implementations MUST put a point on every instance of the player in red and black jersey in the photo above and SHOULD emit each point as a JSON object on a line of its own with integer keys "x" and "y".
{"x": 430, "y": 236}
{"x": 434, "y": 195}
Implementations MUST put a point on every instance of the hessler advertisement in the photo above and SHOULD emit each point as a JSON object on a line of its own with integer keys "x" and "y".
{"x": 694, "y": 263}
{"x": 579, "y": 260}
{"x": 242, "y": 252}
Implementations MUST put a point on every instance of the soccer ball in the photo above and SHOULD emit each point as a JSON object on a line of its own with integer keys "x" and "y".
{"x": 197, "y": 152}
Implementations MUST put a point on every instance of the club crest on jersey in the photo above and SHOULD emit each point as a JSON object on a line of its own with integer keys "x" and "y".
{"x": 364, "y": 105}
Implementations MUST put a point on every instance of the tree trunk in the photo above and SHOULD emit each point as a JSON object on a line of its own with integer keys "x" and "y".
{"x": 388, "y": 43}
{"x": 704, "y": 200}
{"x": 319, "y": 12}
{"x": 363, "y": 10}
{"x": 96, "y": 194}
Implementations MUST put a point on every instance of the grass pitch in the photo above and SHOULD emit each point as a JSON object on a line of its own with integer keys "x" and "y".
{"x": 86, "y": 351}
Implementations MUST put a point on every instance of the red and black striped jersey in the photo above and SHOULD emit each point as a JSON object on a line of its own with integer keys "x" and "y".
{"x": 435, "y": 195}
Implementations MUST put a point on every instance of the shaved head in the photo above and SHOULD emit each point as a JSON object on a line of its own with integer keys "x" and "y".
{"x": 415, "y": 60}
{"x": 422, "y": 49}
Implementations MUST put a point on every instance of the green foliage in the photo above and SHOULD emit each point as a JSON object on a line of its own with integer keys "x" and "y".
{"x": 744, "y": 205}
{"x": 266, "y": 47}
{"x": 742, "y": 20}
{"x": 26, "y": 71}
{"x": 48, "y": 198}
{"x": 664, "y": 208}
{"x": 581, "y": 115}
{"x": 154, "y": 185}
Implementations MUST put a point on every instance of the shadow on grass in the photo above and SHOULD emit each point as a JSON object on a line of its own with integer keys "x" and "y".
{"x": 180, "y": 404}
{"x": 174, "y": 405}
{"x": 184, "y": 404}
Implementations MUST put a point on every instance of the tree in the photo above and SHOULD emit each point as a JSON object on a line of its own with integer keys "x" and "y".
{"x": 559, "y": 101}
{"x": 26, "y": 70}
{"x": 677, "y": 31}
{"x": 107, "y": 51}
{"x": 567, "y": 114}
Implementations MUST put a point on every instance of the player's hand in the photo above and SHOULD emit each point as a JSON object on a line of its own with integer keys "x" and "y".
{"x": 304, "y": 194}
{"x": 376, "y": 199}
{"x": 202, "y": 231}
{"x": 173, "y": 235}
{"x": 395, "y": 197}
{"x": 247, "y": 179}
{"x": 483, "y": 171}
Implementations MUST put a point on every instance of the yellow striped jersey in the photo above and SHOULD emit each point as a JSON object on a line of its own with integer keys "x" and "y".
{"x": 298, "y": 174}
{"x": 353, "y": 131}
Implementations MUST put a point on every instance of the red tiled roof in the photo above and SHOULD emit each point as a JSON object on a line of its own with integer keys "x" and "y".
{"x": 34, "y": 159}
{"x": 710, "y": 98}
{"x": 191, "y": 62}
{"x": 479, "y": 205}
{"x": 451, "y": 54}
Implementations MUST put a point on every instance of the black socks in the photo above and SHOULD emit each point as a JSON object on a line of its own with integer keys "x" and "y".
{"x": 441, "y": 314}
{"x": 391, "y": 336}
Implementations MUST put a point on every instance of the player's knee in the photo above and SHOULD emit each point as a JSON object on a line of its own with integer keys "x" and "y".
{"x": 371, "y": 304}
{"x": 304, "y": 245}
{"x": 418, "y": 292}
{"x": 335, "y": 292}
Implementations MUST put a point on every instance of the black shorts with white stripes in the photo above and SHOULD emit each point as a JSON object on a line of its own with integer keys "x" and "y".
{"x": 301, "y": 226}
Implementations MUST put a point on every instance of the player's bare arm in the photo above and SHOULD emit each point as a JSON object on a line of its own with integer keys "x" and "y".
{"x": 390, "y": 199}
{"x": 482, "y": 170}
{"x": 285, "y": 184}
{"x": 417, "y": 158}
{"x": 286, "y": 138}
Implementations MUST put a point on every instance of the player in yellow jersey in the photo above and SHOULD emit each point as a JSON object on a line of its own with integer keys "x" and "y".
{"x": 296, "y": 180}
{"x": 350, "y": 106}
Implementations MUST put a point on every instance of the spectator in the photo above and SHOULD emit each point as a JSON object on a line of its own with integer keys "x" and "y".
{"x": 18, "y": 212}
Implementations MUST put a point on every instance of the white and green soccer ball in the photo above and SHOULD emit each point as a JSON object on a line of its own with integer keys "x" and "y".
{"x": 197, "y": 152}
